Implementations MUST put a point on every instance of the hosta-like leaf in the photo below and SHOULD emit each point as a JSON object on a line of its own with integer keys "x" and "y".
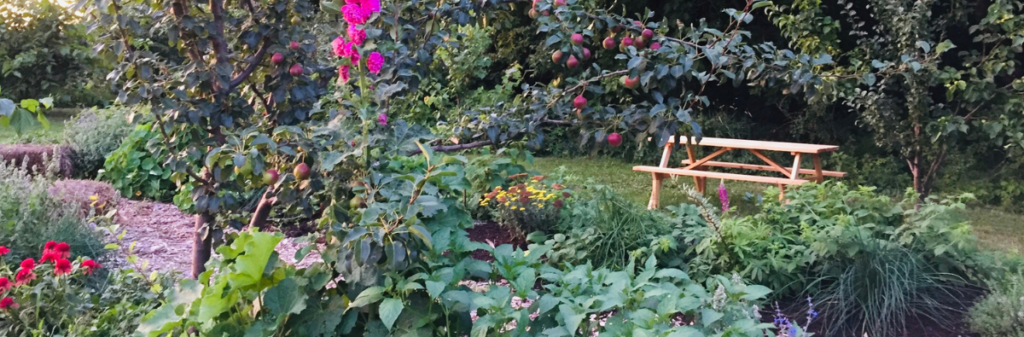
{"x": 389, "y": 311}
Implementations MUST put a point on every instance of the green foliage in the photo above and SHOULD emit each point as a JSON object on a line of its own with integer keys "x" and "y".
{"x": 46, "y": 50}
{"x": 602, "y": 227}
{"x": 998, "y": 314}
{"x": 19, "y": 116}
{"x": 30, "y": 215}
{"x": 886, "y": 289}
{"x": 94, "y": 134}
{"x": 135, "y": 170}
{"x": 824, "y": 228}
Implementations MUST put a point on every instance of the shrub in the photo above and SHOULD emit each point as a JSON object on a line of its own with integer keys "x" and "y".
{"x": 884, "y": 290}
{"x": 137, "y": 172}
{"x": 605, "y": 228}
{"x": 1001, "y": 312}
{"x": 94, "y": 134}
{"x": 30, "y": 215}
{"x": 528, "y": 206}
{"x": 57, "y": 296}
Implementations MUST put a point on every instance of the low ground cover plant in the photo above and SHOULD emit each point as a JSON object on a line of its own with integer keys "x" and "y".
{"x": 94, "y": 134}
{"x": 1001, "y": 312}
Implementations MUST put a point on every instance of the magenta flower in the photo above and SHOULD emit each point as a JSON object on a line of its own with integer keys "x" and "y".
{"x": 382, "y": 119}
{"x": 723, "y": 196}
{"x": 343, "y": 73}
{"x": 354, "y": 14}
{"x": 354, "y": 56}
{"x": 354, "y": 2}
{"x": 356, "y": 35}
{"x": 338, "y": 45}
{"x": 371, "y": 5}
{"x": 374, "y": 62}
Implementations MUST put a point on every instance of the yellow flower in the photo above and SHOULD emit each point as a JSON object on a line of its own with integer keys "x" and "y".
{"x": 526, "y": 253}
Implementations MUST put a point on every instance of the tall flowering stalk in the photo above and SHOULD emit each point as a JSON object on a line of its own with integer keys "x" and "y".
{"x": 723, "y": 196}
{"x": 359, "y": 14}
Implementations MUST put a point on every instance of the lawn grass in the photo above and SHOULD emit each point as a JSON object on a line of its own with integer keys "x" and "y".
{"x": 37, "y": 135}
{"x": 996, "y": 229}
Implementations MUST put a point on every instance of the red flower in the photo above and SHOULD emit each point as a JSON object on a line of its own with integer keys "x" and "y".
{"x": 8, "y": 303}
{"x": 61, "y": 267}
{"x": 49, "y": 255}
{"x": 24, "y": 276}
{"x": 558, "y": 204}
{"x": 90, "y": 265}
{"x": 5, "y": 284}
{"x": 28, "y": 263}
{"x": 64, "y": 249}
{"x": 566, "y": 195}
{"x": 4, "y": 250}
{"x": 49, "y": 246}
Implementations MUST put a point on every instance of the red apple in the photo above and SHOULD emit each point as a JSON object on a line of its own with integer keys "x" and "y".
{"x": 586, "y": 54}
{"x": 545, "y": 13}
{"x": 638, "y": 23}
{"x": 639, "y": 42}
{"x": 295, "y": 70}
{"x": 293, "y": 45}
{"x": 533, "y": 13}
{"x": 609, "y": 43}
{"x": 572, "y": 63}
{"x": 270, "y": 177}
{"x": 655, "y": 46}
{"x": 559, "y": 2}
{"x": 632, "y": 82}
{"x": 614, "y": 139}
{"x": 277, "y": 58}
{"x": 647, "y": 34}
{"x": 626, "y": 42}
{"x": 576, "y": 39}
{"x": 617, "y": 28}
{"x": 580, "y": 102}
{"x": 556, "y": 56}
{"x": 301, "y": 171}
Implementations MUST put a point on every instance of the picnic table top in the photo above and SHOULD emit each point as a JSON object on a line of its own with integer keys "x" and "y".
{"x": 762, "y": 145}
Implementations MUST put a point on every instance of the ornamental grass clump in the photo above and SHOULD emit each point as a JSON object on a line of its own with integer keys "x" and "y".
{"x": 527, "y": 207}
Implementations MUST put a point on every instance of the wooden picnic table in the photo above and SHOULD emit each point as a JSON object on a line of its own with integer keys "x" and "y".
{"x": 697, "y": 168}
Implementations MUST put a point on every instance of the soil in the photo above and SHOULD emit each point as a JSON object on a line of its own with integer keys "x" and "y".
{"x": 495, "y": 235}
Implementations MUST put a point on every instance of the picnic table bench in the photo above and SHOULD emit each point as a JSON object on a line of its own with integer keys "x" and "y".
{"x": 697, "y": 168}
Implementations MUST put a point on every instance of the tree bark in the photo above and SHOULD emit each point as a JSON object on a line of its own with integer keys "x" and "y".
{"x": 202, "y": 242}
{"x": 259, "y": 218}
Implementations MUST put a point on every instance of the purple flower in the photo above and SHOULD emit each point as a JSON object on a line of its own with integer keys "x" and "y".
{"x": 382, "y": 119}
{"x": 723, "y": 196}
{"x": 374, "y": 62}
{"x": 354, "y": 14}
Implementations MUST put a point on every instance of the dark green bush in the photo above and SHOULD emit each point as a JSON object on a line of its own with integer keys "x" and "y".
{"x": 94, "y": 134}
{"x": 137, "y": 172}
{"x": 1001, "y": 312}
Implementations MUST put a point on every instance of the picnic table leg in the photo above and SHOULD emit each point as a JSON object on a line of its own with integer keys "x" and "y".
{"x": 699, "y": 182}
{"x": 817, "y": 168}
{"x": 656, "y": 178}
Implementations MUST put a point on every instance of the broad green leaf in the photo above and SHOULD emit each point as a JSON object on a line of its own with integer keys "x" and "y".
{"x": 753, "y": 292}
{"x": 30, "y": 105}
{"x": 284, "y": 299}
{"x": 253, "y": 261}
{"x": 434, "y": 288}
{"x": 390, "y": 309}
{"x": 368, "y": 296}
{"x": 47, "y": 102}
{"x": 709, "y": 316}
{"x": 160, "y": 321}
{"x": 570, "y": 318}
{"x": 685, "y": 331}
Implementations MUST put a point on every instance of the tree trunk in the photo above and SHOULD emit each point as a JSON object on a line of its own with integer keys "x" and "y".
{"x": 259, "y": 218}
{"x": 202, "y": 243}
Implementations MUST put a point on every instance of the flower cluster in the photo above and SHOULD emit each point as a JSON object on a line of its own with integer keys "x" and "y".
{"x": 55, "y": 253}
{"x": 788, "y": 328}
{"x": 723, "y": 196}
{"x": 527, "y": 206}
{"x": 356, "y": 13}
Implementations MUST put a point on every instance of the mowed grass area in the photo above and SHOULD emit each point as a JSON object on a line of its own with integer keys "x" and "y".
{"x": 996, "y": 229}
{"x": 37, "y": 135}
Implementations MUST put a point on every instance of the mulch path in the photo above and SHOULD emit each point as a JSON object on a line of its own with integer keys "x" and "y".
{"x": 491, "y": 233}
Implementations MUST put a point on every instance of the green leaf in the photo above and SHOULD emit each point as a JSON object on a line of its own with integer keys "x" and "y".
{"x": 368, "y": 296}
{"x": 159, "y": 321}
{"x": 570, "y": 318}
{"x": 762, "y": 4}
{"x": 869, "y": 79}
{"x": 927, "y": 47}
{"x": 709, "y": 316}
{"x": 753, "y": 292}
{"x": 284, "y": 299}
{"x": 29, "y": 104}
{"x": 253, "y": 261}
{"x": 329, "y": 159}
{"x": 390, "y": 309}
{"x": 685, "y": 331}
{"x": 47, "y": 102}
{"x": 434, "y": 288}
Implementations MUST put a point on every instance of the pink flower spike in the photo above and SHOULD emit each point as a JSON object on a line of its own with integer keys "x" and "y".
{"x": 354, "y": 56}
{"x": 382, "y": 119}
{"x": 338, "y": 45}
{"x": 374, "y": 63}
{"x": 343, "y": 73}
{"x": 356, "y": 35}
